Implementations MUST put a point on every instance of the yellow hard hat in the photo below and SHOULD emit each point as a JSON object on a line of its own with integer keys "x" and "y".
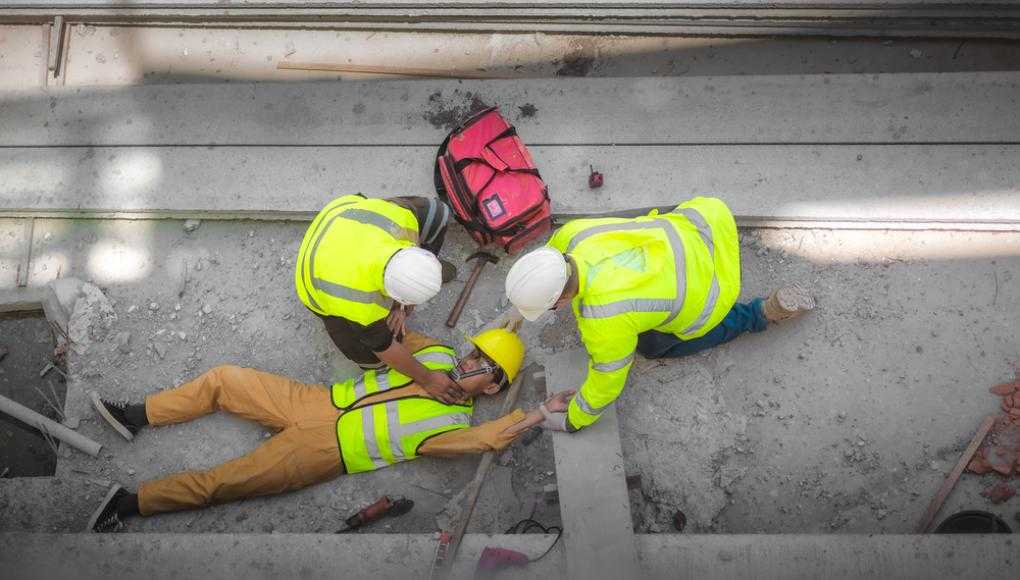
{"x": 505, "y": 348}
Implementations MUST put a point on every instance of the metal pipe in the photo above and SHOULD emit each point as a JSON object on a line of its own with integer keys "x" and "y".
{"x": 49, "y": 427}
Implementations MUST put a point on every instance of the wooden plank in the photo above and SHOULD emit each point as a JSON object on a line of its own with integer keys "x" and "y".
{"x": 385, "y": 70}
{"x": 906, "y": 184}
{"x": 924, "y": 526}
{"x": 598, "y": 533}
{"x": 896, "y": 108}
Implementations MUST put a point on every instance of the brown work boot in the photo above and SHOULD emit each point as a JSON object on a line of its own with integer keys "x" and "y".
{"x": 788, "y": 302}
{"x": 449, "y": 271}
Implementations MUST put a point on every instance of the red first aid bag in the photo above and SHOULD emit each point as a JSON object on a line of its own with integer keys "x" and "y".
{"x": 486, "y": 174}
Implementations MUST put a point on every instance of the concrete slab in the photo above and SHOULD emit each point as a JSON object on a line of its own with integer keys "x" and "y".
{"x": 904, "y": 108}
{"x": 924, "y": 183}
{"x": 844, "y": 421}
{"x": 598, "y": 535}
{"x": 22, "y": 57}
{"x": 850, "y": 557}
{"x": 117, "y": 55}
{"x": 260, "y": 556}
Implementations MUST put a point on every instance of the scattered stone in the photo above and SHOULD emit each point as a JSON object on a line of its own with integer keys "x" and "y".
{"x": 153, "y": 306}
{"x": 132, "y": 308}
{"x": 1001, "y": 492}
{"x": 191, "y": 225}
{"x": 130, "y": 471}
{"x": 207, "y": 309}
{"x": 915, "y": 53}
{"x": 182, "y": 335}
{"x": 124, "y": 342}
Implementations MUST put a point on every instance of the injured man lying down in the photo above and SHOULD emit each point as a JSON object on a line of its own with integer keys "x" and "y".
{"x": 373, "y": 421}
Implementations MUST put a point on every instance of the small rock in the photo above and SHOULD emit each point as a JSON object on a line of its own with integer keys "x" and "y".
{"x": 182, "y": 335}
{"x": 124, "y": 342}
{"x": 191, "y": 225}
{"x": 915, "y": 53}
{"x": 72, "y": 422}
{"x": 160, "y": 349}
{"x": 132, "y": 308}
{"x": 999, "y": 493}
{"x": 130, "y": 471}
{"x": 153, "y": 306}
{"x": 207, "y": 309}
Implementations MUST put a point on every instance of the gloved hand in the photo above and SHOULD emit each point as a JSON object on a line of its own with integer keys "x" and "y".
{"x": 553, "y": 421}
{"x": 554, "y": 409}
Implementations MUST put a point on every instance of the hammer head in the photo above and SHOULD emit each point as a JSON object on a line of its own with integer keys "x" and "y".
{"x": 484, "y": 256}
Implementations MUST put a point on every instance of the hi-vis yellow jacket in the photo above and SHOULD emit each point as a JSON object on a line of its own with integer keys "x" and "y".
{"x": 339, "y": 270}
{"x": 387, "y": 419}
{"x": 677, "y": 273}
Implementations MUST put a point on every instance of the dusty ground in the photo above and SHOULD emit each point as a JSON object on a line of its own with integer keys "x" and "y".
{"x": 844, "y": 421}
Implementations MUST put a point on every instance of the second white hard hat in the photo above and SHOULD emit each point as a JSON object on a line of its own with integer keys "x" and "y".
{"x": 536, "y": 281}
{"x": 413, "y": 276}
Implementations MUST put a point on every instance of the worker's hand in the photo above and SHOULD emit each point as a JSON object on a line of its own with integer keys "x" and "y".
{"x": 553, "y": 420}
{"x": 443, "y": 388}
{"x": 559, "y": 402}
{"x": 397, "y": 320}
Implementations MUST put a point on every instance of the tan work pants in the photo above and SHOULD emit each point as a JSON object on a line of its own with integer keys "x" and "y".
{"x": 303, "y": 452}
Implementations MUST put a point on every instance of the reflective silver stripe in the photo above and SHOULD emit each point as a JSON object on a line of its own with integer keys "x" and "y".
{"x": 359, "y": 388}
{"x": 425, "y": 229}
{"x": 587, "y": 407}
{"x": 310, "y": 259}
{"x": 380, "y": 221}
{"x": 673, "y": 307}
{"x": 624, "y": 306}
{"x": 443, "y": 358}
{"x": 371, "y": 439}
{"x": 382, "y": 382}
{"x": 615, "y": 365}
{"x": 398, "y": 430}
{"x": 352, "y": 294}
{"x": 705, "y": 231}
{"x": 393, "y": 423}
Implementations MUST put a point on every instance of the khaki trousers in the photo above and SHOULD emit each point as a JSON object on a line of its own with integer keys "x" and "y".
{"x": 303, "y": 452}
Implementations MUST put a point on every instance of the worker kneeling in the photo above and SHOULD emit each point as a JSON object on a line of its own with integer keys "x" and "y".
{"x": 662, "y": 285}
{"x": 363, "y": 265}
{"x": 363, "y": 424}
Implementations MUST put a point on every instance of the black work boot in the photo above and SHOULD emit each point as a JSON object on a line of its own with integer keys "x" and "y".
{"x": 449, "y": 271}
{"x": 106, "y": 518}
{"x": 118, "y": 415}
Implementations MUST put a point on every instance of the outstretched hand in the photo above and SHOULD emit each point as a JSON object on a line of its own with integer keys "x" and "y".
{"x": 559, "y": 402}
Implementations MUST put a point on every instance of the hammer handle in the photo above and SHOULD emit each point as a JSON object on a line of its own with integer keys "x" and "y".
{"x": 465, "y": 293}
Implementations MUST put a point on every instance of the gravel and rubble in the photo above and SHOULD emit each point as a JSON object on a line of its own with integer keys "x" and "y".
{"x": 844, "y": 421}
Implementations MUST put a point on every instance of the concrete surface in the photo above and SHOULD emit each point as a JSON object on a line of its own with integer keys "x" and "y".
{"x": 242, "y": 271}
{"x": 598, "y": 536}
{"x": 398, "y": 556}
{"x": 849, "y": 557}
{"x": 976, "y": 186}
{"x": 894, "y": 108}
{"x": 260, "y": 556}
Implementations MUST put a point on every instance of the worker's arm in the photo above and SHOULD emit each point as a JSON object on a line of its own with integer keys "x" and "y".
{"x": 437, "y": 383}
{"x": 609, "y": 362}
{"x": 493, "y": 435}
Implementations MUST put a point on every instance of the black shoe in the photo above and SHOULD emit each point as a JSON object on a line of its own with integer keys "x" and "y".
{"x": 105, "y": 519}
{"x": 115, "y": 414}
{"x": 449, "y": 271}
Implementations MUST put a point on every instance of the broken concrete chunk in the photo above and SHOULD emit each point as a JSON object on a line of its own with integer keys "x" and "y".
{"x": 124, "y": 342}
{"x": 191, "y": 225}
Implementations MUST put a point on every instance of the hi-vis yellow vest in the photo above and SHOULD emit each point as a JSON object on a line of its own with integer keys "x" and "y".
{"x": 387, "y": 432}
{"x": 677, "y": 273}
{"x": 339, "y": 270}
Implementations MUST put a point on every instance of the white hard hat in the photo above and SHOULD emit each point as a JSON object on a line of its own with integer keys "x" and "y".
{"x": 536, "y": 281}
{"x": 413, "y": 276}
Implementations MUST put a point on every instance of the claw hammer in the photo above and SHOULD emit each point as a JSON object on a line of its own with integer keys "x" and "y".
{"x": 481, "y": 258}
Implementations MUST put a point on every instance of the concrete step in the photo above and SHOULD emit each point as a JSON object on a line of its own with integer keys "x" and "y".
{"x": 890, "y": 108}
{"x": 397, "y": 556}
{"x": 952, "y": 184}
